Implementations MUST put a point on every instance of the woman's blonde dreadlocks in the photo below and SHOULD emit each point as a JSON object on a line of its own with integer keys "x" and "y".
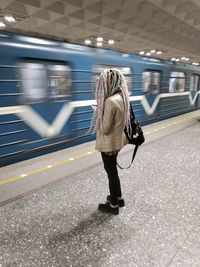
{"x": 110, "y": 82}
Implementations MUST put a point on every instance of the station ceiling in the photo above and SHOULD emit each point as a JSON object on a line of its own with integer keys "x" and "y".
{"x": 172, "y": 26}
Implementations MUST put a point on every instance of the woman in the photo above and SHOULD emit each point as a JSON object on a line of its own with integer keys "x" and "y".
{"x": 110, "y": 118}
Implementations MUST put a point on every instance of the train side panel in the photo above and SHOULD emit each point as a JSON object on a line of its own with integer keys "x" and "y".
{"x": 46, "y": 92}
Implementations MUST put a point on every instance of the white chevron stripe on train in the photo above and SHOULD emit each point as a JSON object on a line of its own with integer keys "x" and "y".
{"x": 44, "y": 129}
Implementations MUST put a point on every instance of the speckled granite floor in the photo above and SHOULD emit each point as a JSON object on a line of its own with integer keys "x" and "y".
{"x": 160, "y": 225}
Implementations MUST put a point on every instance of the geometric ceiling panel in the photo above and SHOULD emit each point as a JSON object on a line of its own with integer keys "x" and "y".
{"x": 97, "y": 7}
{"x": 42, "y": 14}
{"x": 35, "y": 3}
{"x": 57, "y": 7}
{"x": 17, "y": 7}
{"x": 75, "y": 2}
{"x": 78, "y": 14}
{"x": 63, "y": 20}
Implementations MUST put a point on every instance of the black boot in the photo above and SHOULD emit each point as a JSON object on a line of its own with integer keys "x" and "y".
{"x": 108, "y": 208}
{"x": 120, "y": 202}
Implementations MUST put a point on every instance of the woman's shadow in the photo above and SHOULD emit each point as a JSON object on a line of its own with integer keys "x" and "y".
{"x": 84, "y": 243}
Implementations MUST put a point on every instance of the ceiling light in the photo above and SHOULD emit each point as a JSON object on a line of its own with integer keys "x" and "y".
{"x": 183, "y": 58}
{"x": 141, "y": 52}
{"x": 87, "y": 42}
{"x": 173, "y": 59}
{"x": 9, "y": 18}
{"x": 148, "y": 54}
{"x": 153, "y": 51}
{"x": 99, "y": 44}
{"x": 159, "y": 52}
{"x": 195, "y": 63}
{"x": 111, "y": 41}
{"x": 2, "y": 24}
{"x": 187, "y": 58}
{"x": 177, "y": 59}
{"x": 99, "y": 39}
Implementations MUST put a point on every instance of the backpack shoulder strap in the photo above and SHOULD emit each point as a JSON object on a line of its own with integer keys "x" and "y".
{"x": 131, "y": 112}
{"x": 133, "y": 157}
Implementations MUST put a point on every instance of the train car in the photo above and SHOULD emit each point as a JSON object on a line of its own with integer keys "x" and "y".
{"x": 47, "y": 88}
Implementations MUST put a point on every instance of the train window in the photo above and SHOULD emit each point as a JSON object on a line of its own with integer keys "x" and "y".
{"x": 177, "y": 82}
{"x": 125, "y": 70}
{"x": 34, "y": 81}
{"x": 194, "y": 85}
{"x": 43, "y": 81}
{"x": 58, "y": 80}
{"x": 151, "y": 82}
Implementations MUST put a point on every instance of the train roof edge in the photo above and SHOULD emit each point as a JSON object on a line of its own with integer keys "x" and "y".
{"x": 20, "y": 37}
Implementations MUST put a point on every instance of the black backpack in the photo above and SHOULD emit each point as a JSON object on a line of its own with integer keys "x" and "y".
{"x": 135, "y": 137}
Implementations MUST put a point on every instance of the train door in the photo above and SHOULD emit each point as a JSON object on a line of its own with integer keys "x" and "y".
{"x": 46, "y": 92}
{"x": 151, "y": 90}
{"x": 195, "y": 90}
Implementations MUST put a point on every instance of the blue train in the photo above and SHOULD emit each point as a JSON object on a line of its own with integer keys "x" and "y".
{"x": 47, "y": 88}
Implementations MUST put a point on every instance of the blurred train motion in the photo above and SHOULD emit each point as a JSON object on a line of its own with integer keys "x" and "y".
{"x": 47, "y": 88}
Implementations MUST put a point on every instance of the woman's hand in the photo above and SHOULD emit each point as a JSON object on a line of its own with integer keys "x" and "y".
{"x": 94, "y": 107}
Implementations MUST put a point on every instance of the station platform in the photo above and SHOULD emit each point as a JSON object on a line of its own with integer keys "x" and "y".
{"x": 48, "y": 205}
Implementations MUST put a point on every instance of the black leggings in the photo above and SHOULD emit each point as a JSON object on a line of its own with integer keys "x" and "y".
{"x": 110, "y": 165}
